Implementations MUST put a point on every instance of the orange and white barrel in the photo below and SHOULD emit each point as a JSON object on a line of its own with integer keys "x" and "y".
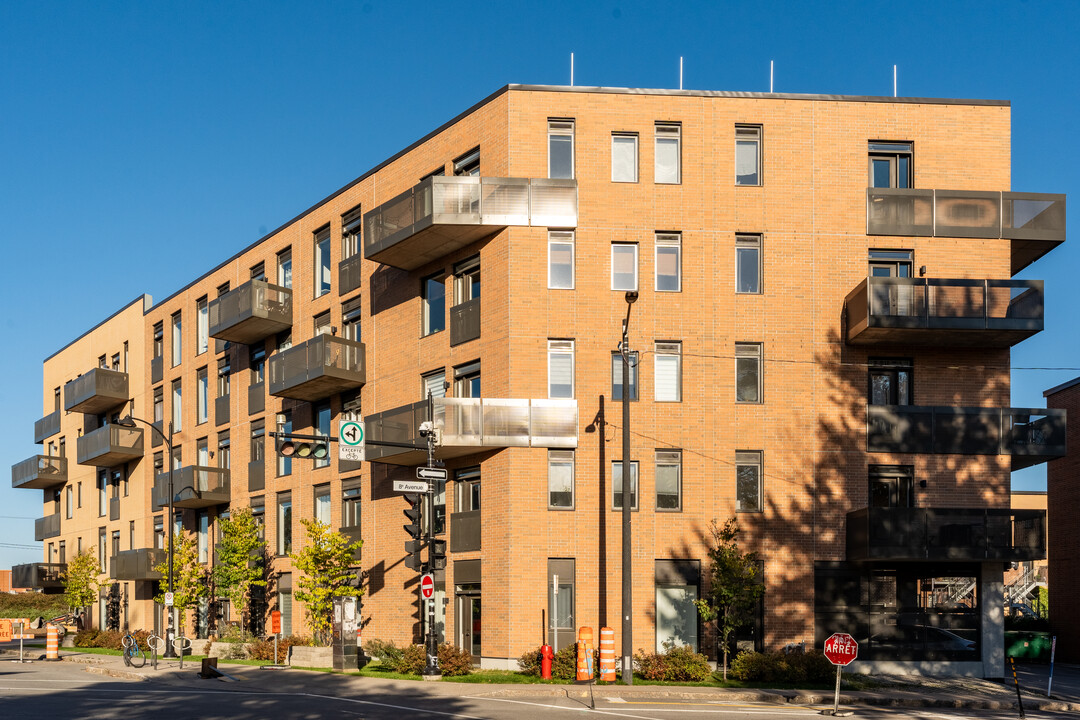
{"x": 52, "y": 643}
{"x": 584, "y": 653}
{"x": 607, "y": 654}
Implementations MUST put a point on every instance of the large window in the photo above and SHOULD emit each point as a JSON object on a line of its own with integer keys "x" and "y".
{"x": 560, "y": 368}
{"x": 561, "y": 479}
{"x": 202, "y": 326}
{"x": 624, "y": 266}
{"x": 159, "y": 404}
{"x": 748, "y": 372}
{"x": 177, "y": 406}
{"x": 890, "y": 381}
{"x": 201, "y": 395}
{"x": 322, "y": 262}
{"x": 624, "y": 157}
{"x": 676, "y": 614}
{"x": 561, "y": 149}
{"x": 561, "y": 259}
{"x": 617, "y": 366}
{"x": 668, "y": 262}
{"x": 177, "y": 340}
{"x": 890, "y": 164}
{"x": 617, "y": 485}
{"x": 748, "y": 490}
{"x": 747, "y": 154}
{"x": 284, "y": 523}
{"x": 747, "y": 263}
{"x": 669, "y": 480}
{"x": 667, "y": 384}
{"x": 668, "y": 153}
{"x": 433, "y": 295}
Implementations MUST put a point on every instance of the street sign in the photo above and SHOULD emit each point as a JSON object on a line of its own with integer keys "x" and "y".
{"x": 411, "y": 486}
{"x": 426, "y": 473}
{"x": 6, "y": 633}
{"x": 168, "y": 599}
{"x": 427, "y": 586}
{"x": 841, "y": 649}
{"x": 351, "y": 438}
{"x": 275, "y": 622}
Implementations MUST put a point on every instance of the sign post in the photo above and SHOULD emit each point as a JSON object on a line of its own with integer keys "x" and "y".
{"x": 840, "y": 649}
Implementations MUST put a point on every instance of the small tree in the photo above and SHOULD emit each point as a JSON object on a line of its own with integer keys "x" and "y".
{"x": 238, "y": 560}
{"x": 326, "y": 564}
{"x": 81, "y": 580}
{"x": 189, "y": 577}
{"x": 734, "y": 584}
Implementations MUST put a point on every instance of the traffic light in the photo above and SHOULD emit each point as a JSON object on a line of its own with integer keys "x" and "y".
{"x": 302, "y": 446}
{"x": 415, "y": 530}
{"x": 438, "y": 554}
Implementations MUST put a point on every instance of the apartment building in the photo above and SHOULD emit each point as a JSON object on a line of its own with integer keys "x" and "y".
{"x": 1063, "y": 536}
{"x": 819, "y": 347}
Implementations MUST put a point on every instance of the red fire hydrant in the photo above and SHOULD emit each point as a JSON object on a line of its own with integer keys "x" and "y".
{"x": 546, "y": 656}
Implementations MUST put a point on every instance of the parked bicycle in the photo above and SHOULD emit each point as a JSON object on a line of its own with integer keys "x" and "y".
{"x": 133, "y": 654}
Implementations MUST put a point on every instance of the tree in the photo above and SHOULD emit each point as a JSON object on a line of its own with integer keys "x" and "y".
{"x": 326, "y": 564}
{"x": 734, "y": 584}
{"x": 238, "y": 560}
{"x": 189, "y": 577}
{"x": 81, "y": 580}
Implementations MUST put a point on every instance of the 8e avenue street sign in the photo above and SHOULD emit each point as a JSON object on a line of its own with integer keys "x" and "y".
{"x": 427, "y": 586}
{"x": 411, "y": 486}
{"x": 428, "y": 473}
{"x": 841, "y": 649}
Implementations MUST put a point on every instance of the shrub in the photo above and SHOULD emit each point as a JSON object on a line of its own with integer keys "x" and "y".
{"x": 563, "y": 666}
{"x": 108, "y": 639}
{"x": 529, "y": 662}
{"x": 385, "y": 652}
{"x": 454, "y": 661}
{"x": 811, "y": 667}
{"x": 676, "y": 664}
{"x": 413, "y": 660}
{"x": 264, "y": 649}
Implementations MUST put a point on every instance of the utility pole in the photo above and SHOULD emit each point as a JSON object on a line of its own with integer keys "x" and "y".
{"x": 627, "y": 538}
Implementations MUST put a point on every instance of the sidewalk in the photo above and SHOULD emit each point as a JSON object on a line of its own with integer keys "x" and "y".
{"x": 881, "y": 690}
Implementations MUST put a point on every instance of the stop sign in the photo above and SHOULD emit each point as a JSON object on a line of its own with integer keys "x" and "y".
{"x": 427, "y": 586}
{"x": 841, "y": 649}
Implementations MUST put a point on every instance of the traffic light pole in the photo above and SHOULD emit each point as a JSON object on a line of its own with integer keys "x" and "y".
{"x": 431, "y": 641}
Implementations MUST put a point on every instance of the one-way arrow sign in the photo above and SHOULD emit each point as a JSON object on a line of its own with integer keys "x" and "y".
{"x": 426, "y": 473}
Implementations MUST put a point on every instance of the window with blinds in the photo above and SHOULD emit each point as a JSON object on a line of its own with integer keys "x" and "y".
{"x": 561, "y": 259}
{"x": 668, "y": 262}
{"x": 747, "y": 154}
{"x": 668, "y": 480}
{"x": 560, "y": 368}
{"x": 561, "y": 479}
{"x": 668, "y": 367}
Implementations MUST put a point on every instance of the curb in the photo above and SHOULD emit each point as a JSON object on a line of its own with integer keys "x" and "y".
{"x": 112, "y": 672}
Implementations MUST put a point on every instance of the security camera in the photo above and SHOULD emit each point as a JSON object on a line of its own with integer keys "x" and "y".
{"x": 427, "y": 428}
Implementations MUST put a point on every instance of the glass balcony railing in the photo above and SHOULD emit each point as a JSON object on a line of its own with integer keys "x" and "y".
{"x": 39, "y": 472}
{"x": 137, "y": 564}
{"x": 40, "y": 576}
{"x": 194, "y": 486}
{"x": 46, "y": 427}
{"x": 943, "y": 312}
{"x": 97, "y": 391}
{"x": 252, "y": 312}
{"x": 316, "y": 369}
{"x": 443, "y": 214}
{"x": 110, "y": 445}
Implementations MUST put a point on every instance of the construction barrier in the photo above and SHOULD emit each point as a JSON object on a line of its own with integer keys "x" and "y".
{"x": 607, "y": 654}
{"x": 584, "y": 653}
{"x": 52, "y": 643}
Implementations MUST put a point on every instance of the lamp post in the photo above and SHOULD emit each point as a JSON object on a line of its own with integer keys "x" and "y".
{"x": 627, "y": 563}
{"x": 130, "y": 421}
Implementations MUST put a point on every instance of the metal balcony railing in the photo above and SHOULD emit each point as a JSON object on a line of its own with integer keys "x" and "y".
{"x": 194, "y": 486}
{"x": 109, "y": 445}
{"x": 136, "y": 564}
{"x": 46, "y": 427}
{"x": 465, "y": 321}
{"x": 321, "y": 367}
{"x": 47, "y": 527}
{"x": 349, "y": 274}
{"x": 40, "y": 576}
{"x": 97, "y": 391}
{"x": 39, "y": 472}
{"x": 465, "y": 531}
{"x": 254, "y": 311}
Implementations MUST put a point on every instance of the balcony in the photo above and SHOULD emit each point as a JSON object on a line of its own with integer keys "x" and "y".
{"x": 1030, "y": 436}
{"x": 316, "y": 369}
{"x": 472, "y": 425}
{"x": 39, "y": 472}
{"x": 252, "y": 312}
{"x": 465, "y": 322}
{"x": 954, "y": 534}
{"x": 441, "y": 215}
{"x": 136, "y": 564}
{"x": 47, "y": 527}
{"x": 43, "y": 576}
{"x": 110, "y": 445}
{"x": 349, "y": 277}
{"x": 940, "y": 312}
{"x": 98, "y": 391}
{"x": 194, "y": 486}
{"x": 1034, "y": 222}
{"x": 465, "y": 531}
{"x": 46, "y": 427}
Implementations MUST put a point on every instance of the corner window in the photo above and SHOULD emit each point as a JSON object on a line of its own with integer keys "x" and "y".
{"x": 668, "y": 153}
{"x": 561, "y": 259}
{"x": 560, "y": 368}
{"x": 624, "y": 157}
{"x": 748, "y": 372}
{"x": 668, "y": 262}
{"x": 202, "y": 326}
{"x": 617, "y": 485}
{"x": 667, "y": 383}
{"x": 561, "y": 149}
{"x": 561, "y": 479}
{"x": 747, "y": 263}
{"x": 617, "y": 366}
{"x": 747, "y": 154}
{"x": 748, "y": 481}
{"x": 669, "y": 480}
{"x": 890, "y": 164}
{"x": 433, "y": 296}
{"x": 284, "y": 268}
{"x": 322, "y": 262}
{"x": 624, "y": 264}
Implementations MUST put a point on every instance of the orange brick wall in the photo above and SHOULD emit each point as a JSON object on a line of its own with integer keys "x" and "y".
{"x": 1063, "y": 535}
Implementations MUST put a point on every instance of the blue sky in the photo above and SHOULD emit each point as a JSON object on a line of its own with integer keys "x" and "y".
{"x": 153, "y": 139}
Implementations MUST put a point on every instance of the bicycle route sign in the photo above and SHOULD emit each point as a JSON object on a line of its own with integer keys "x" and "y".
{"x": 351, "y": 441}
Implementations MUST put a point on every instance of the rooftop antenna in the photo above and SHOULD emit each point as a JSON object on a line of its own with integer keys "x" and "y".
{"x": 680, "y": 72}
{"x": 894, "y": 81}
{"x": 771, "y": 75}
{"x": 571, "y": 69}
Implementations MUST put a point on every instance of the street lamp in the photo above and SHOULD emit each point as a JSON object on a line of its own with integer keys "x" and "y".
{"x": 130, "y": 421}
{"x": 627, "y": 563}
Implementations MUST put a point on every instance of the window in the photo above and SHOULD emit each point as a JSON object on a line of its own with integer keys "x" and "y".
{"x": 284, "y": 267}
{"x": 202, "y": 326}
{"x": 747, "y": 154}
{"x": 668, "y": 153}
{"x": 351, "y": 224}
{"x": 116, "y": 361}
{"x": 668, "y": 262}
{"x": 890, "y": 381}
{"x": 322, "y": 504}
{"x": 78, "y": 494}
{"x": 284, "y": 340}
{"x": 284, "y": 523}
{"x": 624, "y": 157}
{"x": 224, "y": 450}
{"x": 561, "y": 149}
{"x": 258, "y": 513}
{"x": 322, "y": 262}
{"x": 468, "y": 486}
{"x": 561, "y": 593}
{"x": 258, "y": 363}
{"x": 890, "y": 263}
{"x": 617, "y": 485}
{"x": 322, "y": 323}
{"x": 434, "y": 384}
{"x": 202, "y": 452}
{"x": 103, "y": 362}
{"x": 469, "y": 163}
{"x": 561, "y": 259}
{"x": 890, "y": 164}
{"x": 69, "y": 502}
{"x": 433, "y": 294}
{"x": 202, "y": 391}
{"x": 624, "y": 258}
{"x": 560, "y": 479}
{"x": 438, "y": 503}
{"x": 159, "y": 404}
{"x": 668, "y": 480}
{"x": 177, "y": 406}
{"x": 560, "y": 368}
{"x": 617, "y": 364}
{"x": 177, "y": 340}
{"x": 667, "y": 384}
{"x": 748, "y": 372}
{"x": 467, "y": 280}
{"x": 159, "y": 532}
{"x": 102, "y": 553}
{"x": 322, "y": 427}
{"x": 350, "y": 507}
{"x": 103, "y": 496}
{"x": 224, "y": 372}
{"x": 258, "y": 438}
{"x": 892, "y": 486}
{"x": 467, "y": 380}
{"x": 748, "y": 481}
{"x": 258, "y": 271}
{"x": 284, "y": 462}
{"x": 747, "y": 263}
{"x": 178, "y": 457}
{"x": 351, "y": 312}
{"x": 159, "y": 344}
{"x": 676, "y": 614}
{"x": 204, "y": 537}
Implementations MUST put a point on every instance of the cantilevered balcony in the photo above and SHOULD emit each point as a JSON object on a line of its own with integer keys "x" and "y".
{"x": 443, "y": 214}
{"x": 194, "y": 486}
{"x": 40, "y": 576}
{"x": 1030, "y": 436}
{"x": 39, "y": 472}
{"x": 136, "y": 564}
{"x": 1034, "y": 222}
{"x": 110, "y": 445}
{"x": 46, "y": 427}
{"x": 47, "y": 527}
{"x": 98, "y": 391}
{"x": 316, "y": 369}
{"x": 945, "y": 313}
{"x": 252, "y": 312}
{"x": 472, "y": 425}
{"x": 946, "y": 534}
